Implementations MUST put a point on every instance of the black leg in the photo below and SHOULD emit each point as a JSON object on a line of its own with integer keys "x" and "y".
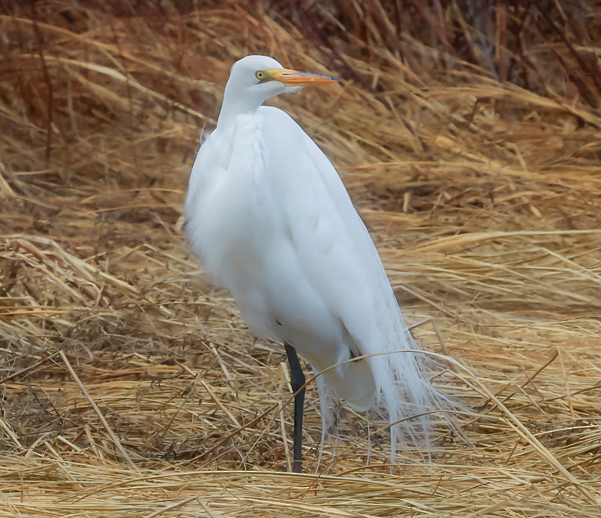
{"x": 297, "y": 380}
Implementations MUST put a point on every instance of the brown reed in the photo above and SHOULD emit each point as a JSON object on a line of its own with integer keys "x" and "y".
{"x": 468, "y": 136}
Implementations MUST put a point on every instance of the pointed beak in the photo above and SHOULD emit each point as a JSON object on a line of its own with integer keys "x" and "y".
{"x": 295, "y": 78}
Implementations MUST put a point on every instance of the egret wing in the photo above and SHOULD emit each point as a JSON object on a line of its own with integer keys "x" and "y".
{"x": 339, "y": 259}
{"x": 332, "y": 245}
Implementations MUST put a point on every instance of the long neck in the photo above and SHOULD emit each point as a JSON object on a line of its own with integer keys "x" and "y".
{"x": 234, "y": 104}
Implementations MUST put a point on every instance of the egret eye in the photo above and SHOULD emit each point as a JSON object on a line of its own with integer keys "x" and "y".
{"x": 260, "y": 75}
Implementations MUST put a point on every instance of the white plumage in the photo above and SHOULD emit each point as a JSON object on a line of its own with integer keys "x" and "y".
{"x": 271, "y": 221}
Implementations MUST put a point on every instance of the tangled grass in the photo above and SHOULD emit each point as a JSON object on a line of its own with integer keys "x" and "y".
{"x": 469, "y": 141}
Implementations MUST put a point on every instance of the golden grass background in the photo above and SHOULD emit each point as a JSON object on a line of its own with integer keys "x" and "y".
{"x": 468, "y": 136}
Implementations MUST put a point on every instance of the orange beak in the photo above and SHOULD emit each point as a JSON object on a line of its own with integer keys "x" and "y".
{"x": 295, "y": 78}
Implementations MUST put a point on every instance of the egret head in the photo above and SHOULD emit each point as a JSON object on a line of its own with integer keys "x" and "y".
{"x": 255, "y": 79}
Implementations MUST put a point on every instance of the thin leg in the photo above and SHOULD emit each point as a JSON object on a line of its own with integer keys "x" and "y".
{"x": 297, "y": 380}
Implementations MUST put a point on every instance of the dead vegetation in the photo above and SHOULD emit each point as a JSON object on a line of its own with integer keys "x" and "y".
{"x": 468, "y": 135}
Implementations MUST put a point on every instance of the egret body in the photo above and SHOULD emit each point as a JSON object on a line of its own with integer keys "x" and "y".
{"x": 271, "y": 221}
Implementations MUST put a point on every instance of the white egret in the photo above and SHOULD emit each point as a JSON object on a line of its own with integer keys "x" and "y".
{"x": 270, "y": 219}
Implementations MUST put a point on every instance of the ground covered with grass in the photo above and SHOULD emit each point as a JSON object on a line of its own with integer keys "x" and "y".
{"x": 468, "y": 137}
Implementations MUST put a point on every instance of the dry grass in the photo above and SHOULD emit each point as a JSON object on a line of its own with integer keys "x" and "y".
{"x": 130, "y": 386}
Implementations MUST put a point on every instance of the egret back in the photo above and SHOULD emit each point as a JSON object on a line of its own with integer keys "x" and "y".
{"x": 371, "y": 315}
